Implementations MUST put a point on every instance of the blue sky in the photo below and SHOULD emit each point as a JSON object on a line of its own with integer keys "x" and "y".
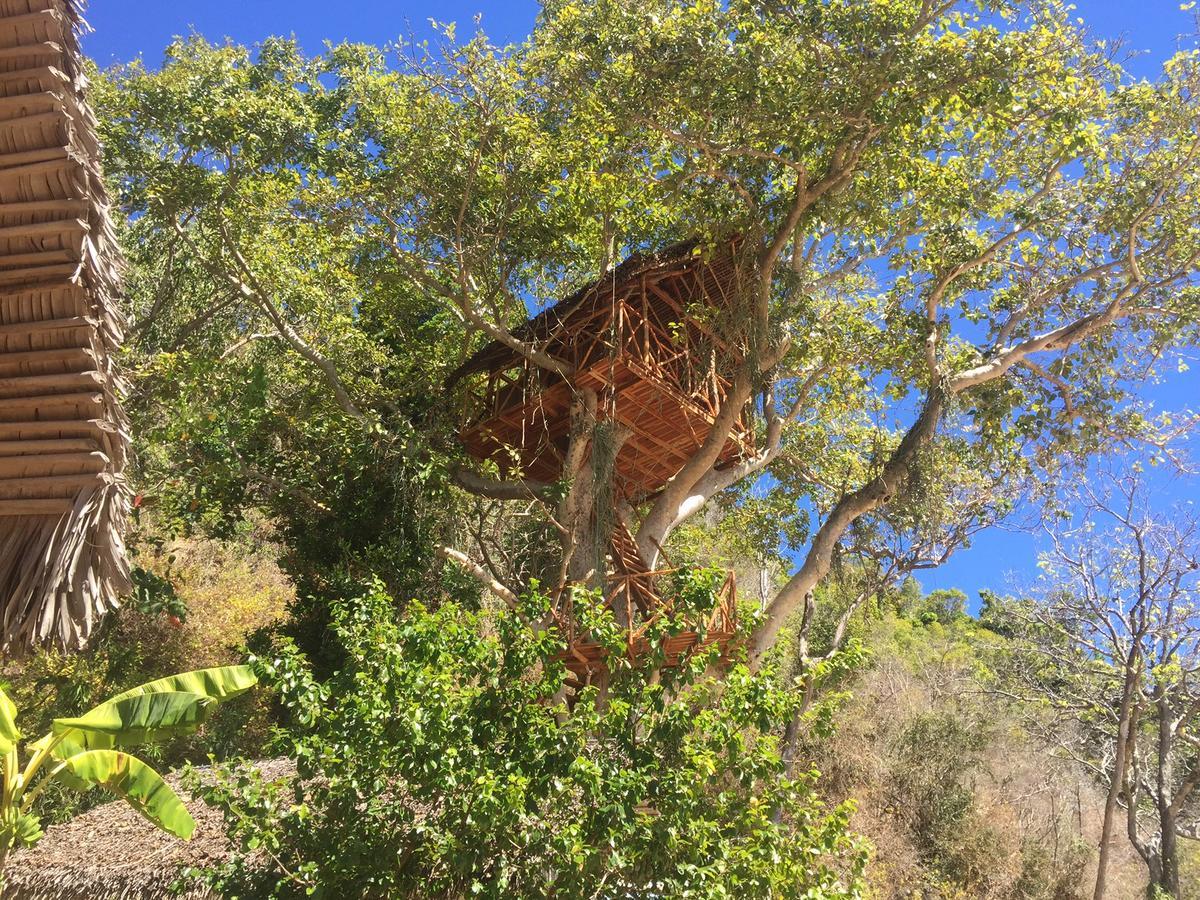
{"x": 125, "y": 29}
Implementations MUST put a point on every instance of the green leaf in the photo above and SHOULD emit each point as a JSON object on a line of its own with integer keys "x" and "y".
{"x": 9, "y": 734}
{"x": 125, "y": 720}
{"x": 221, "y": 683}
{"x": 130, "y": 721}
{"x": 136, "y": 783}
{"x": 23, "y": 831}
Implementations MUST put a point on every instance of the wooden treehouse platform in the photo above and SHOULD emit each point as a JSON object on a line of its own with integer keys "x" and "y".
{"x": 641, "y": 339}
{"x": 632, "y": 592}
{"x": 638, "y": 338}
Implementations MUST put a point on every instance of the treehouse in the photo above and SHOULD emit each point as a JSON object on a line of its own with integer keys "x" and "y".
{"x": 639, "y": 338}
{"x": 642, "y": 338}
{"x": 633, "y": 594}
{"x": 63, "y": 436}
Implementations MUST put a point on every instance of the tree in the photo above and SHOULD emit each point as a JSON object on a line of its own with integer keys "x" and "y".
{"x": 445, "y": 761}
{"x": 966, "y": 233}
{"x": 89, "y": 751}
{"x": 229, "y": 414}
{"x": 1114, "y": 647}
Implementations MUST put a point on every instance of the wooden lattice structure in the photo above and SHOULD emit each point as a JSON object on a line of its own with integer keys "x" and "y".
{"x": 638, "y": 338}
{"x": 633, "y": 595}
{"x": 63, "y": 436}
{"x": 641, "y": 338}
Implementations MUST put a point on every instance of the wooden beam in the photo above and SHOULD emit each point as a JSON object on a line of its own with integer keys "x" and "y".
{"x": 48, "y": 16}
{"x": 51, "y": 464}
{"x": 14, "y": 296}
{"x": 53, "y": 507}
{"x": 40, "y": 74}
{"x": 678, "y": 307}
{"x": 30, "y": 125}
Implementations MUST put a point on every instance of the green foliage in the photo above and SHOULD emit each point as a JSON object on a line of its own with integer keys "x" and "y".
{"x": 135, "y": 782}
{"x": 445, "y": 761}
{"x": 175, "y": 704}
{"x": 230, "y": 589}
{"x": 944, "y": 606}
{"x": 317, "y": 241}
{"x": 259, "y": 148}
{"x": 88, "y": 751}
{"x": 154, "y": 594}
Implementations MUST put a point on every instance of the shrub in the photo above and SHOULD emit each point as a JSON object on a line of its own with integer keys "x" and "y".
{"x": 195, "y": 603}
{"x": 447, "y": 760}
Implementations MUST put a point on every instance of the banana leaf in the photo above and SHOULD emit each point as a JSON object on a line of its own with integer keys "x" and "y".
{"x": 221, "y": 683}
{"x": 136, "y": 783}
{"x": 204, "y": 686}
{"x": 9, "y": 735}
{"x": 133, "y": 721}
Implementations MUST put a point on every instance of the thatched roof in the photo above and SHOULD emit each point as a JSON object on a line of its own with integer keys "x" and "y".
{"x": 112, "y": 852}
{"x": 63, "y": 436}
{"x": 544, "y": 325}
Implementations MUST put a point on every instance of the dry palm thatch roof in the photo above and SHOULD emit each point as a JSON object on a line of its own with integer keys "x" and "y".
{"x": 113, "y": 852}
{"x": 63, "y": 436}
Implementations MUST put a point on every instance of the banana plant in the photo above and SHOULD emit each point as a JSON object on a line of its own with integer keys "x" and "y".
{"x": 89, "y": 751}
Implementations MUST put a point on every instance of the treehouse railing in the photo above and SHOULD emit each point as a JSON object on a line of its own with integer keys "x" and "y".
{"x": 635, "y": 340}
{"x": 626, "y": 595}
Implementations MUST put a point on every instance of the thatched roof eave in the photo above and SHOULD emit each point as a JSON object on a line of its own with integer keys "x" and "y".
{"x": 62, "y": 517}
{"x": 542, "y": 327}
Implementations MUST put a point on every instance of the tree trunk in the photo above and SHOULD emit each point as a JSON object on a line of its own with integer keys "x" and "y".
{"x": 1168, "y": 874}
{"x": 1154, "y": 862}
{"x": 872, "y": 495}
{"x": 791, "y": 734}
{"x": 1120, "y": 763}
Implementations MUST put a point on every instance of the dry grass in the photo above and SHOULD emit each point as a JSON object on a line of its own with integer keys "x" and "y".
{"x": 115, "y": 853}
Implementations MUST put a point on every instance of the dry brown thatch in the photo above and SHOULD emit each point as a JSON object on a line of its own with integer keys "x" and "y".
{"x": 63, "y": 435}
{"x": 112, "y": 852}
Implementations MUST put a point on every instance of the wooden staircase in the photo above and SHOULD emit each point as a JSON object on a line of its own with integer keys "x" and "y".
{"x": 632, "y": 594}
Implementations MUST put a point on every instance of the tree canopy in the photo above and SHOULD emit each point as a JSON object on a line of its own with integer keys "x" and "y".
{"x": 968, "y": 236}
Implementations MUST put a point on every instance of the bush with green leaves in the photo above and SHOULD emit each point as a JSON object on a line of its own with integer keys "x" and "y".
{"x": 448, "y": 760}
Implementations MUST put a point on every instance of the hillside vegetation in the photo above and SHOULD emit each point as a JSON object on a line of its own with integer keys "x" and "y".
{"x": 841, "y": 284}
